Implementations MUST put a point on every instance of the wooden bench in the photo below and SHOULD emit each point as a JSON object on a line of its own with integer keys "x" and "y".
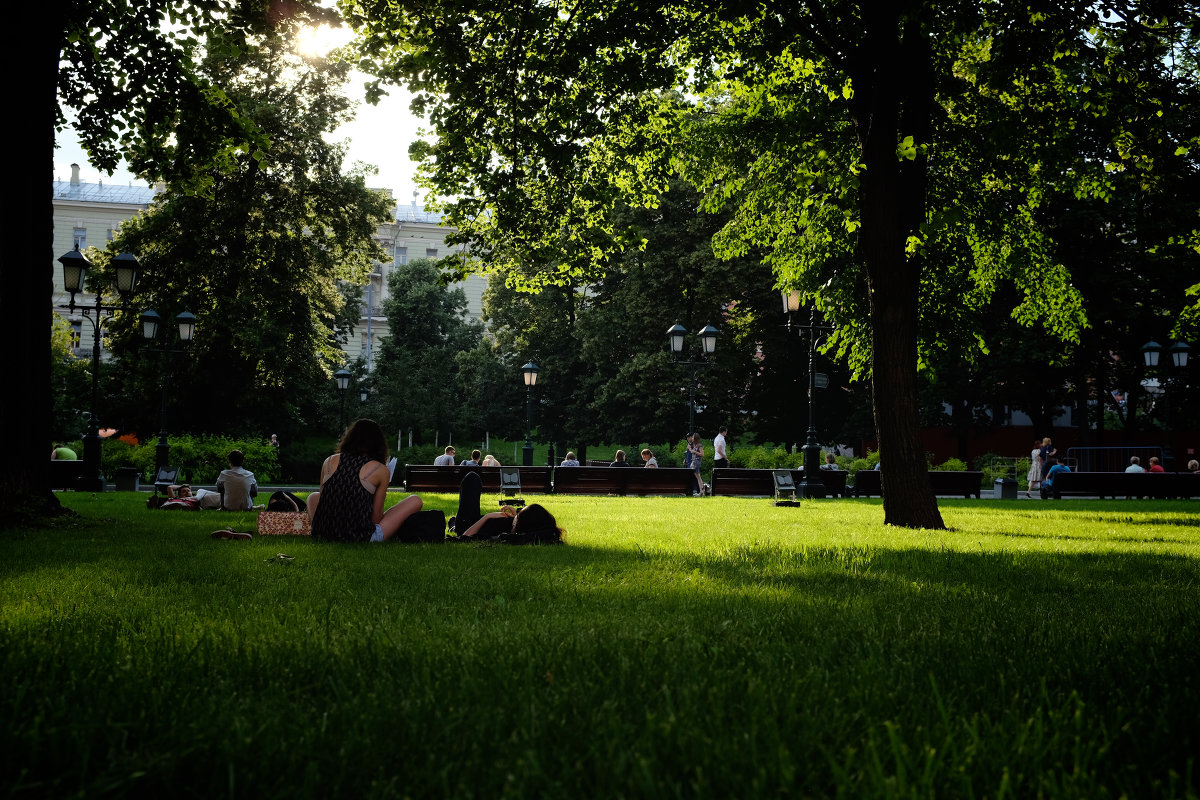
{"x": 739, "y": 481}
{"x": 1154, "y": 485}
{"x": 868, "y": 482}
{"x": 624, "y": 480}
{"x": 428, "y": 478}
{"x": 63, "y": 474}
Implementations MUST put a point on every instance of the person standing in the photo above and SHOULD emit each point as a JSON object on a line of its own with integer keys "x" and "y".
{"x": 696, "y": 449}
{"x": 1047, "y": 452}
{"x": 720, "y": 453}
{"x": 1035, "y": 468}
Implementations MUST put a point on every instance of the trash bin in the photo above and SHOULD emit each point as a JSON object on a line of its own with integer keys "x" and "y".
{"x": 1005, "y": 489}
{"x": 128, "y": 479}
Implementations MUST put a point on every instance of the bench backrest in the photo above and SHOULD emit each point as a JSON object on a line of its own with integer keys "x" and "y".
{"x": 623, "y": 480}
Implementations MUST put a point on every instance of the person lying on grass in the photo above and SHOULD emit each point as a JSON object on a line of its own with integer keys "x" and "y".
{"x": 354, "y": 481}
{"x": 532, "y": 524}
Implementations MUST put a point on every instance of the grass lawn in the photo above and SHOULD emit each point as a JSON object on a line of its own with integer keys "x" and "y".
{"x": 675, "y": 647}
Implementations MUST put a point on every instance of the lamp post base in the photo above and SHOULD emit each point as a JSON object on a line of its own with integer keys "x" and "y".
{"x": 811, "y": 487}
{"x": 527, "y": 456}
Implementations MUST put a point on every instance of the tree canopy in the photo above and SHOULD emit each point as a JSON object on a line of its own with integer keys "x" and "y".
{"x": 893, "y": 162}
{"x": 265, "y": 259}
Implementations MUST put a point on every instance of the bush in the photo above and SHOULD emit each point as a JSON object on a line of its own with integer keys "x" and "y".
{"x": 200, "y": 458}
{"x": 952, "y": 465}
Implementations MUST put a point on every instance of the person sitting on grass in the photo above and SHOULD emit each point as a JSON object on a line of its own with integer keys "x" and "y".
{"x": 354, "y": 481}
{"x": 237, "y": 485}
{"x": 1048, "y": 481}
{"x": 532, "y": 524}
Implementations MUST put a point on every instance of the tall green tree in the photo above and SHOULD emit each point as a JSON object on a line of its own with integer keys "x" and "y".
{"x": 416, "y": 374}
{"x": 126, "y": 71}
{"x": 891, "y": 158}
{"x": 266, "y": 257}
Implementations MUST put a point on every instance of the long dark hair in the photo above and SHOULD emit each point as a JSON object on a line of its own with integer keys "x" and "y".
{"x": 364, "y": 437}
{"x": 536, "y": 520}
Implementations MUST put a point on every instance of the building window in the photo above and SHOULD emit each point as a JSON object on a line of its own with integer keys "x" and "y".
{"x": 109, "y": 237}
{"x": 76, "y": 333}
{"x": 80, "y": 238}
{"x": 431, "y": 252}
{"x": 401, "y": 255}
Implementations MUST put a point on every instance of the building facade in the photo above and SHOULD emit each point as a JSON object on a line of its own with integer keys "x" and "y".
{"x": 90, "y": 214}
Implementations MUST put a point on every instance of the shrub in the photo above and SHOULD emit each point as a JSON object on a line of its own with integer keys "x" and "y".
{"x": 952, "y": 465}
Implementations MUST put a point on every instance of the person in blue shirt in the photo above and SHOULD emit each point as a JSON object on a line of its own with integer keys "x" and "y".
{"x": 1048, "y": 482}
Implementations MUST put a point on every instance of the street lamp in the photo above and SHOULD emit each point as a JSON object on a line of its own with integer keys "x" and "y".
{"x": 342, "y": 376}
{"x": 1179, "y": 359}
{"x": 530, "y": 373}
{"x": 676, "y": 336}
{"x": 187, "y": 329}
{"x": 75, "y": 267}
{"x": 811, "y": 486}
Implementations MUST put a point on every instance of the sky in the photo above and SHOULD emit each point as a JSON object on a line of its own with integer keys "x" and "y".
{"x": 379, "y": 135}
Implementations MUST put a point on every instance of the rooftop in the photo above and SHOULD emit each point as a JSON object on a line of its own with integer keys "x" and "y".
{"x": 103, "y": 193}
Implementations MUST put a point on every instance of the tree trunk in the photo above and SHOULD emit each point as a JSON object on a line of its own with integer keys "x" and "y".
{"x": 26, "y": 273}
{"x": 892, "y": 205}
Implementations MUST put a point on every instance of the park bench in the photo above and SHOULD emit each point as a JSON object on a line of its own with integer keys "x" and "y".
{"x": 64, "y": 474}
{"x": 428, "y": 478}
{"x": 740, "y": 481}
{"x": 1126, "y": 484}
{"x": 624, "y": 480}
{"x": 867, "y": 482}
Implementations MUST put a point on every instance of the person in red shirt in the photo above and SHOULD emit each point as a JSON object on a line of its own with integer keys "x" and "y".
{"x": 1155, "y": 466}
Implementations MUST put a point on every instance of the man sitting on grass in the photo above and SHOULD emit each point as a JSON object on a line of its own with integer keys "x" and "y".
{"x": 237, "y": 484}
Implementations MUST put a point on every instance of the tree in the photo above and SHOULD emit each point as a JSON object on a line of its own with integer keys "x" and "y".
{"x": 416, "y": 374}
{"x": 125, "y": 69}
{"x": 269, "y": 259}
{"x": 849, "y": 139}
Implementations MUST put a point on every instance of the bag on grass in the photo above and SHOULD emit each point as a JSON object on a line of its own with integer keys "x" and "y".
{"x": 423, "y": 526}
{"x": 279, "y": 523}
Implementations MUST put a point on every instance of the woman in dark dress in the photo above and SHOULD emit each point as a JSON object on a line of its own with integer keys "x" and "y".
{"x": 354, "y": 482}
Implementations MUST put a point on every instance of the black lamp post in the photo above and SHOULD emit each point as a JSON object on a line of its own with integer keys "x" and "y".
{"x": 342, "y": 376}
{"x": 75, "y": 267}
{"x": 530, "y": 373}
{"x": 677, "y": 335}
{"x": 187, "y": 330}
{"x": 1179, "y": 351}
{"x": 811, "y": 486}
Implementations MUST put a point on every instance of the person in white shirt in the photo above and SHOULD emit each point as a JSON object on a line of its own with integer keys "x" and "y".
{"x": 446, "y": 459}
{"x": 648, "y": 457}
{"x": 237, "y": 484}
{"x": 720, "y": 456}
{"x": 1135, "y": 465}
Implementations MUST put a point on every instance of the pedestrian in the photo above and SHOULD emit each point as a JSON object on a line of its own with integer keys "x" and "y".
{"x": 1035, "y": 468}
{"x": 720, "y": 451}
{"x": 696, "y": 448}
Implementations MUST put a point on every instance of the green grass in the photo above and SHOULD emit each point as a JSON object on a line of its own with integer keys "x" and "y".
{"x": 676, "y": 647}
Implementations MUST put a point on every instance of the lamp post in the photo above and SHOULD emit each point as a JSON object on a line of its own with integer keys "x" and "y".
{"x": 530, "y": 373}
{"x": 1179, "y": 351}
{"x": 75, "y": 267}
{"x": 677, "y": 335}
{"x": 187, "y": 330}
{"x": 811, "y": 486}
{"x": 342, "y": 376}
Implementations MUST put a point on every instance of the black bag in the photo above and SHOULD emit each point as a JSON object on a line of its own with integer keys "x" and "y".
{"x": 285, "y": 501}
{"x": 423, "y": 526}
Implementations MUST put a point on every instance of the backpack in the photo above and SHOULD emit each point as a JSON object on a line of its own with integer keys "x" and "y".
{"x": 423, "y": 526}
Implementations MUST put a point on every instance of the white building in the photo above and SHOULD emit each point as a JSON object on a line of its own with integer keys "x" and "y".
{"x": 89, "y": 214}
